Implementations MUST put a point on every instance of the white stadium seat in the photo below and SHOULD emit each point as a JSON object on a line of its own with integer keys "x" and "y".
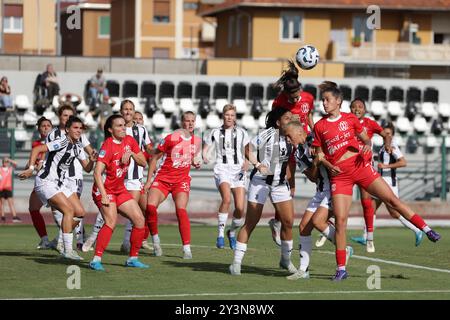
{"x": 89, "y": 121}
{"x": 378, "y": 108}
{"x": 262, "y": 120}
{"x": 428, "y": 110}
{"x": 322, "y": 109}
{"x": 22, "y": 102}
{"x": 241, "y": 106}
{"x": 21, "y": 135}
{"x": 220, "y": 103}
{"x": 159, "y": 121}
{"x": 269, "y": 104}
{"x": 394, "y": 108}
{"x": 432, "y": 142}
{"x": 137, "y": 104}
{"x": 345, "y": 106}
{"x": 168, "y": 105}
{"x": 82, "y": 107}
{"x": 444, "y": 109}
{"x": 115, "y": 101}
{"x": 213, "y": 121}
{"x": 403, "y": 125}
{"x": 55, "y": 102}
{"x": 199, "y": 123}
{"x": 316, "y": 118}
{"x": 49, "y": 114}
{"x": 420, "y": 124}
{"x": 186, "y": 104}
{"x": 377, "y": 141}
{"x": 400, "y": 141}
{"x": 30, "y": 118}
{"x": 249, "y": 123}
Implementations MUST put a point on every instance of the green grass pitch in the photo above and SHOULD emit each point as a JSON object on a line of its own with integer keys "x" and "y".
{"x": 404, "y": 269}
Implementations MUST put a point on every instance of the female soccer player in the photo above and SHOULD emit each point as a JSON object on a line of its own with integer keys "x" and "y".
{"x": 50, "y": 184}
{"x": 44, "y": 126}
{"x": 269, "y": 178}
{"x": 111, "y": 196}
{"x": 301, "y": 105}
{"x": 179, "y": 150}
{"x": 335, "y": 136}
{"x": 230, "y": 171}
{"x": 358, "y": 108}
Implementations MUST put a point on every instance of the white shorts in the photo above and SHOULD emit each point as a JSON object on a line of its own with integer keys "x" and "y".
{"x": 258, "y": 191}
{"x": 320, "y": 199}
{"x": 133, "y": 185}
{"x": 232, "y": 174}
{"x": 394, "y": 189}
{"x": 75, "y": 185}
{"x": 46, "y": 189}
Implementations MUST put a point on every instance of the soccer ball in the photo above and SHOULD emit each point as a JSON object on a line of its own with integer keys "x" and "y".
{"x": 307, "y": 57}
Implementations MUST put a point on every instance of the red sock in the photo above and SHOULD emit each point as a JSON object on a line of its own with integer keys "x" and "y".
{"x": 418, "y": 222}
{"x": 368, "y": 213}
{"x": 152, "y": 219}
{"x": 277, "y": 216}
{"x": 341, "y": 256}
{"x": 38, "y": 222}
{"x": 146, "y": 232}
{"x": 103, "y": 238}
{"x": 184, "y": 226}
{"x": 136, "y": 238}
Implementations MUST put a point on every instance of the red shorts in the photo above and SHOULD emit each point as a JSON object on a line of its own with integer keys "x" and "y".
{"x": 167, "y": 187}
{"x": 355, "y": 170}
{"x": 117, "y": 197}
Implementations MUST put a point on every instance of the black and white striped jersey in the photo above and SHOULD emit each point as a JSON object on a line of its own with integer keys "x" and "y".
{"x": 387, "y": 158}
{"x": 60, "y": 158}
{"x": 229, "y": 144}
{"x": 272, "y": 151}
{"x": 75, "y": 170}
{"x": 140, "y": 134}
{"x": 304, "y": 161}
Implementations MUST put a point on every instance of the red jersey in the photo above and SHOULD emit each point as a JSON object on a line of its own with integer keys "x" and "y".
{"x": 302, "y": 107}
{"x": 111, "y": 154}
{"x": 371, "y": 127}
{"x": 178, "y": 154}
{"x": 336, "y": 136}
{"x": 41, "y": 156}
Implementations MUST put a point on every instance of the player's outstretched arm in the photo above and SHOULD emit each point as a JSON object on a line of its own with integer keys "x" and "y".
{"x": 33, "y": 156}
{"x": 139, "y": 158}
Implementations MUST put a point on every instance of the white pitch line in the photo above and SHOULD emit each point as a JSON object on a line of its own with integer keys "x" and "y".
{"x": 236, "y": 294}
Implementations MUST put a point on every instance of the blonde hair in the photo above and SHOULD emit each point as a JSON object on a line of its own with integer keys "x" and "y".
{"x": 295, "y": 124}
{"x": 229, "y": 107}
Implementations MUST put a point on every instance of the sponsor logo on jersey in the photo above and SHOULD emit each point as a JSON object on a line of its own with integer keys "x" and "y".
{"x": 343, "y": 126}
{"x": 304, "y": 107}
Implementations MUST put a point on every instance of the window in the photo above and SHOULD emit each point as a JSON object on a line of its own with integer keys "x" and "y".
{"x": 104, "y": 26}
{"x": 161, "y": 11}
{"x": 291, "y": 25}
{"x": 13, "y": 19}
{"x": 190, "y": 5}
{"x": 360, "y": 31}
{"x": 161, "y": 53}
{"x": 238, "y": 30}
{"x": 230, "y": 31}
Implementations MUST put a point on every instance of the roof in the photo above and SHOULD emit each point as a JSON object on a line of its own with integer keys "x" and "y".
{"x": 422, "y": 5}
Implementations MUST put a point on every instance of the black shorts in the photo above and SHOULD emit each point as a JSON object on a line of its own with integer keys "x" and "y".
{"x": 6, "y": 194}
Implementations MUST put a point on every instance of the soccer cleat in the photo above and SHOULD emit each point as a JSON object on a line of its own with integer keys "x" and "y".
{"x": 419, "y": 238}
{"x": 232, "y": 240}
{"x": 235, "y": 269}
{"x": 370, "y": 247}
{"x": 145, "y": 245}
{"x": 220, "y": 243}
{"x": 96, "y": 265}
{"x": 73, "y": 255}
{"x": 340, "y": 275}
{"x": 300, "y": 274}
{"x": 360, "y": 240}
{"x": 157, "y": 250}
{"x": 433, "y": 236}
{"x": 16, "y": 220}
{"x": 135, "y": 263}
{"x": 349, "y": 253}
{"x": 187, "y": 254}
{"x": 44, "y": 245}
{"x": 87, "y": 245}
{"x": 288, "y": 265}
{"x": 321, "y": 241}
{"x": 125, "y": 247}
{"x": 60, "y": 247}
{"x": 275, "y": 227}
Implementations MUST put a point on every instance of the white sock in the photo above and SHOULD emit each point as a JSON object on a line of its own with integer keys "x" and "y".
{"x": 222, "y": 221}
{"x": 364, "y": 233}
{"x": 60, "y": 236}
{"x": 57, "y": 216}
{"x": 127, "y": 233}
{"x": 97, "y": 259}
{"x": 68, "y": 242}
{"x": 99, "y": 222}
{"x": 155, "y": 239}
{"x": 305, "y": 252}
{"x": 186, "y": 247}
{"x": 426, "y": 229}
{"x": 330, "y": 233}
{"x": 286, "y": 249}
{"x": 239, "y": 252}
{"x": 408, "y": 224}
{"x": 369, "y": 236}
{"x": 79, "y": 231}
{"x": 236, "y": 224}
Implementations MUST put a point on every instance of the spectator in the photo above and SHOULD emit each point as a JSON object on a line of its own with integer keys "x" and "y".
{"x": 5, "y": 93}
{"x": 97, "y": 85}
{"x": 69, "y": 97}
{"x": 50, "y": 82}
{"x": 6, "y": 175}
